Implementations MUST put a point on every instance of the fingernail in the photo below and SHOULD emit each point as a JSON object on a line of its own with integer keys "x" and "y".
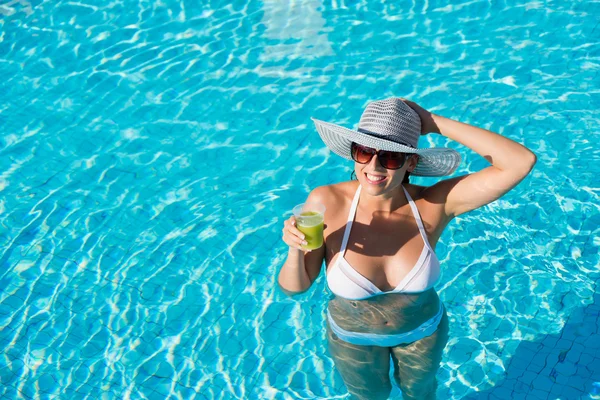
{"x": 305, "y": 242}
{"x": 302, "y": 237}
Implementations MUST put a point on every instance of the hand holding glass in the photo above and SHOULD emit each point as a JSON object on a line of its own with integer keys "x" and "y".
{"x": 309, "y": 220}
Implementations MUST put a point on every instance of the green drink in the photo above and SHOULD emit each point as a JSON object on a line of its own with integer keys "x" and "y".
{"x": 309, "y": 220}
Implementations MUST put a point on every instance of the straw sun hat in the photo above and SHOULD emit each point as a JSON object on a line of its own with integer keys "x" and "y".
{"x": 393, "y": 126}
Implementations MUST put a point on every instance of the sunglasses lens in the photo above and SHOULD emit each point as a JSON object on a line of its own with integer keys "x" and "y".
{"x": 362, "y": 154}
{"x": 388, "y": 159}
{"x": 391, "y": 160}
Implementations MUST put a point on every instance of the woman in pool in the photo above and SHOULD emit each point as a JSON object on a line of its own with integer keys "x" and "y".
{"x": 380, "y": 236}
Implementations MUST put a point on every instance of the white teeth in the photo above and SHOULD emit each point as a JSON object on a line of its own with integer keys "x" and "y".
{"x": 375, "y": 177}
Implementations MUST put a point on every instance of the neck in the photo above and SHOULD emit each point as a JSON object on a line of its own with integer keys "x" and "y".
{"x": 385, "y": 202}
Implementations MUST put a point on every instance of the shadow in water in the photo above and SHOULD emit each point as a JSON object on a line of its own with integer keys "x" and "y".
{"x": 565, "y": 366}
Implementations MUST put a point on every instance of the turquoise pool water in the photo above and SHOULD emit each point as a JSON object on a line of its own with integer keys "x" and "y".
{"x": 150, "y": 152}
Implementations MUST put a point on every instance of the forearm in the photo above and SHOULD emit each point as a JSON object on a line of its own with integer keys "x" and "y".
{"x": 293, "y": 278}
{"x": 501, "y": 152}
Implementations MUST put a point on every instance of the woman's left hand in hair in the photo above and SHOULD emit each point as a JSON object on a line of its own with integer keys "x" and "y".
{"x": 428, "y": 124}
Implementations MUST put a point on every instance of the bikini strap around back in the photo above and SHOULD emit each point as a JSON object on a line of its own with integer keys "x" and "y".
{"x": 415, "y": 211}
{"x": 351, "y": 215}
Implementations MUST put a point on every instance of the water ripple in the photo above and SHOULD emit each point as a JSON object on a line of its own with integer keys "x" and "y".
{"x": 151, "y": 151}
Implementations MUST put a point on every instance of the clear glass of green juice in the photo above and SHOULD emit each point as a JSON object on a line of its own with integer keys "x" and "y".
{"x": 309, "y": 220}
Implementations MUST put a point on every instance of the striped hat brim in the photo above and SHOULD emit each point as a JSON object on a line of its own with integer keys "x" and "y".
{"x": 439, "y": 161}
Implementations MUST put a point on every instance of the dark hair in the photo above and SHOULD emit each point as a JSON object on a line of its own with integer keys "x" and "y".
{"x": 405, "y": 180}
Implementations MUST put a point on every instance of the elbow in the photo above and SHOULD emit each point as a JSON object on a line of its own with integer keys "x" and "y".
{"x": 532, "y": 159}
{"x": 528, "y": 162}
{"x": 531, "y": 162}
{"x": 289, "y": 293}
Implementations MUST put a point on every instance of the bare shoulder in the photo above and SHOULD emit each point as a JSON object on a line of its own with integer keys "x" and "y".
{"x": 438, "y": 192}
{"x": 416, "y": 191}
{"x": 435, "y": 194}
{"x": 430, "y": 201}
{"x": 436, "y": 199}
{"x": 335, "y": 195}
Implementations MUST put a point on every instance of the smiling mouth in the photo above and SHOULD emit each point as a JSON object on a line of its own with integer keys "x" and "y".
{"x": 375, "y": 179}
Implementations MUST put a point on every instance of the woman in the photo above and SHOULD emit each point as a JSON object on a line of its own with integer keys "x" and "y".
{"x": 380, "y": 238}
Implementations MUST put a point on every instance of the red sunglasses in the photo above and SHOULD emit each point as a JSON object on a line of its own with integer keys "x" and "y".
{"x": 388, "y": 159}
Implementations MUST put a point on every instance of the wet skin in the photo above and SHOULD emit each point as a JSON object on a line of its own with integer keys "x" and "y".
{"x": 384, "y": 247}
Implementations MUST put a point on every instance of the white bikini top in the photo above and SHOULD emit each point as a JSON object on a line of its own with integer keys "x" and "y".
{"x": 344, "y": 281}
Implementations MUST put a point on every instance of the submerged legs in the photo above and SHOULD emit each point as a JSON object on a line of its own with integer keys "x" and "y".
{"x": 365, "y": 369}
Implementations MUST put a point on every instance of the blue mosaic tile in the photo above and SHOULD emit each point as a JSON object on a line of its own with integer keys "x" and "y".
{"x": 587, "y": 350}
{"x": 535, "y": 367}
{"x": 578, "y": 381}
{"x": 589, "y": 327}
{"x": 575, "y": 353}
{"x": 562, "y": 379}
{"x": 503, "y": 392}
{"x": 10, "y": 393}
{"x": 539, "y": 359}
{"x": 586, "y": 359}
{"x": 458, "y": 390}
{"x": 565, "y": 343}
{"x": 570, "y": 392}
{"x": 527, "y": 378}
{"x": 522, "y": 388}
{"x": 556, "y": 390}
{"x": 552, "y": 359}
{"x": 550, "y": 341}
{"x": 582, "y": 372}
{"x": 592, "y": 342}
{"x": 509, "y": 384}
{"x": 525, "y": 355}
{"x": 538, "y": 394}
{"x": 566, "y": 368}
{"x": 543, "y": 383}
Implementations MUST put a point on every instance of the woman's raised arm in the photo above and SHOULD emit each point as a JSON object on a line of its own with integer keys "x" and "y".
{"x": 511, "y": 163}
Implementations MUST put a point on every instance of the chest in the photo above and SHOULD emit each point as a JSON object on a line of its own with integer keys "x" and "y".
{"x": 382, "y": 248}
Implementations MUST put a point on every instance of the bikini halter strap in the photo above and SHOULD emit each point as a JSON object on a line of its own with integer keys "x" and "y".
{"x": 415, "y": 211}
{"x": 351, "y": 215}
